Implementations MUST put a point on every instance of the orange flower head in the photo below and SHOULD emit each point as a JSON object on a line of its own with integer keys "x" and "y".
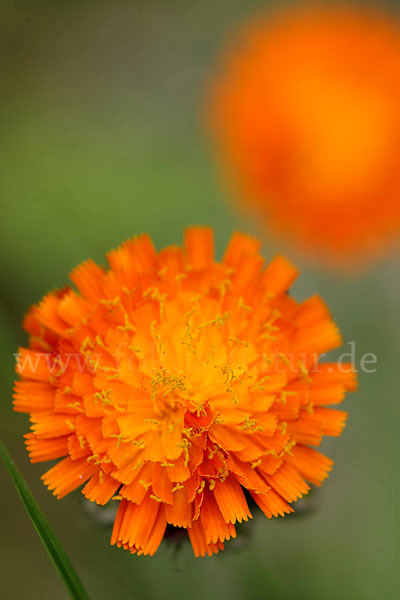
{"x": 306, "y": 114}
{"x": 171, "y": 383}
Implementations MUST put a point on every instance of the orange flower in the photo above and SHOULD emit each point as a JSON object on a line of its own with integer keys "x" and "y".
{"x": 172, "y": 382}
{"x": 306, "y": 113}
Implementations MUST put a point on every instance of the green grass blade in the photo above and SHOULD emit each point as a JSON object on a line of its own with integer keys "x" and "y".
{"x": 50, "y": 542}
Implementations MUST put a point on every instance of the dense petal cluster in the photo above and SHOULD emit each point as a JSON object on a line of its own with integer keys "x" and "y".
{"x": 171, "y": 383}
{"x": 306, "y": 115}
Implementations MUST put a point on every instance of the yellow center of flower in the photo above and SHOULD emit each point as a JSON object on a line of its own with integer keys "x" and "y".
{"x": 190, "y": 364}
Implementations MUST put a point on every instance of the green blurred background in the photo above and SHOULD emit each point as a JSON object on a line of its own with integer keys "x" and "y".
{"x": 102, "y": 139}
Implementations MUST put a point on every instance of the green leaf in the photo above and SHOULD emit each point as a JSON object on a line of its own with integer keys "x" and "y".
{"x": 50, "y": 542}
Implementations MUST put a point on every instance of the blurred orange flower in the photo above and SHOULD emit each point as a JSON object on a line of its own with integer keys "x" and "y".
{"x": 172, "y": 383}
{"x": 306, "y": 114}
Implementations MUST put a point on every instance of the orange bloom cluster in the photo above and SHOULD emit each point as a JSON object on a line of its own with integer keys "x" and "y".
{"x": 306, "y": 114}
{"x": 171, "y": 383}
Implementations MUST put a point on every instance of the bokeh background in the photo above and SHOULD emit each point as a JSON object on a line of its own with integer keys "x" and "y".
{"x": 103, "y": 138}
